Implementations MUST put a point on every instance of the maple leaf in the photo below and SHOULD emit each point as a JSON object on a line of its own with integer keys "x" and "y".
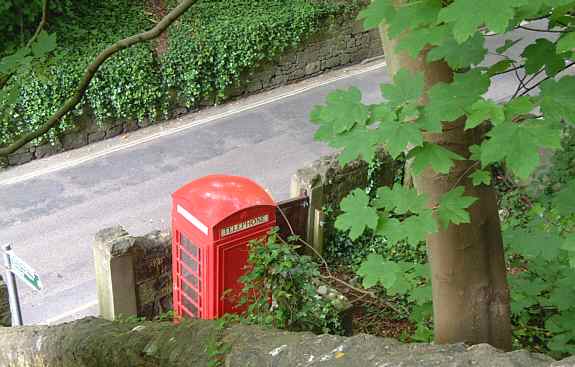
{"x": 558, "y": 99}
{"x": 540, "y": 54}
{"x": 376, "y": 13}
{"x": 470, "y": 52}
{"x": 360, "y": 142}
{"x": 391, "y": 229}
{"x": 358, "y": 215}
{"x": 533, "y": 244}
{"x": 418, "y": 227}
{"x": 468, "y": 15}
{"x": 376, "y": 270}
{"x": 453, "y": 205}
{"x": 415, "y": 41}
{"x": 343, "y": 110}
{"x": 44, "y": 44}
{"x": 566, "y": 42}
{"x": 398, "y": 134}
{"x": 447, "y": 102}
{"x": 518, "y": 106}
{"x": 400, "y": 199}
{"x": 564, "y": 200}
{"x": 519, "y": 145}
{"x": 483, "y": 110}
{"x": 481, "y": 177}
{"x": 439, "y": 158}
{"x": 407, "y": 87}
{"x": 507, "y": 45}
{"x": 415, "y": 15}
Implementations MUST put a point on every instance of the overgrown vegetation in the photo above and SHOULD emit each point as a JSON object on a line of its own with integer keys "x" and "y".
{"x": 207, "y": 50}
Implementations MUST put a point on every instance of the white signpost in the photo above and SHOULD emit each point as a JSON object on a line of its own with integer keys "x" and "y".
{"x": 16, "y": 267}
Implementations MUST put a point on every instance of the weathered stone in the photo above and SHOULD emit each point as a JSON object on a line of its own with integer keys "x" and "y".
{"x": 47, "y": 149}
{"x": 96, "y": 136}
{"x": 20, "y": 158}
{"x": 130, "y": 125}
{"x": 5, "y": 318}
{"x": 114, "y": 131}
{"x": 74, "y": 140}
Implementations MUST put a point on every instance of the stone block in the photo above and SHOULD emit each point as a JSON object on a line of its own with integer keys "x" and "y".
{"x": 96, "y": 136}
{"x": 312, "y": 68}
{"x": 74, "y": 140}
{"x": 114, "y": 131}
{"x": 20, "y": 158}
{"x": 130, "y": 125}
{"x": 47, "y": 149}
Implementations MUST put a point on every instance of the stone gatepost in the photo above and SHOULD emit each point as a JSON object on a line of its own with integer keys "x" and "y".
{"x": 5, "y": 316}
{"x": 115, "y": 273}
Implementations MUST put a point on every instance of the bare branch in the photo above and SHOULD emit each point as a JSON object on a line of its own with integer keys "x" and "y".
{"x": 91, "y": 71}
{"x": 546, "y": 78}
{"x": 41, "y": 24}
{"x": 541, "y": 30}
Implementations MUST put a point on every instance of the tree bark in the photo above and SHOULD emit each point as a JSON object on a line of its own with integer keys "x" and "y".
{"x": 470, "y": 292}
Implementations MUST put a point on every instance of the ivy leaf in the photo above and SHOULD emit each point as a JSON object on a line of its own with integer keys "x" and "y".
{"x": 453, "y": 205}
{"x": 357, "y": 143}
{"x": 566, "y": 43}
{"x": 540, "y": 54}
{"x": 414, "y": 16}
{"x": 436, "y": 156}
{"x": 376, "y": 270}
{"x": 398, "y": 134}
{"x": 481, "y": 177}
{"x": 564, "y": 200}
{"x": 558, "y": 99}
{"x": 44, "y": 44}
{"x": 377, "y": 12}
{"x": 447, "y": 102}
{"x": 400, "y": 199}
{"x": 415, "y": 41}
{"x": 358, "y": 215}
{"x": 407, "y": 87}
{"x": 519, "y": 145}
{"x": 468, "y": 15}
{"x": 344, "y": 109}
{"x": 508, "y": 44}
{"x": 418, "y": 227}
{"x": 470, "y": 52}
{"x": 484, "y": 110}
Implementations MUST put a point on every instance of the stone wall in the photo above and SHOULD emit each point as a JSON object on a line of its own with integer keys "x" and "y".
{"x": 5, "y": 318}
{"x": 343, "y": 43}
{"x": 133, "y": 274}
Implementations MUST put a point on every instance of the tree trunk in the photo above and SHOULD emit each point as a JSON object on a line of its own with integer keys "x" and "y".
{"x": 470, "y": 293}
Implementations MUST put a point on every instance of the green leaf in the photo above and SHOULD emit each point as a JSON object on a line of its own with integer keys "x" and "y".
{"x": 558, "y": 99}
{"x": 468, "y": 15}
{"x": 569, "y": 246}
{"x": 391, "y": 229}
{"x": 447, "y": 102}
{"x": 499, "y": 67}
{"x": 439, "y": 158}
{"x": 564, "y": 200}
{"x": 360, "y": 142}
{"x": 519, "y": 144}
{"x": 566, "y": 43}
{"x": 518, "y": 106}
{"x": 415, "y": 15}
{"x": 481, "y": 177}
{"x": 358, "y": 215}
{"x": 407, "y": 87}
{"x": 483, "y": 110}
{"x": 421, "y": 295}
{"x": 508, "y": 44}
{"x": 44, "y": 44}
{"x": 470, "y": 52}
{"x": 418, "y": 227}
{"x": 377, "y": 12}
{"x": 376, "y": 270}
{"x": 400, "y": 199}
{"x": 415, "y": 41}
{"x": 344, "y": 109}
{"x": 397, "y": 135}
{"x": 533, "y": 244}
{"x": 452, "y": 207}
{"x": 380, "y": 113}
{"x": 540, "y": 54}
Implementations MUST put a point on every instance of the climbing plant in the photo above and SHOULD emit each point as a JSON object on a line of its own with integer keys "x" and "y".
{"x": 436, "y": 115}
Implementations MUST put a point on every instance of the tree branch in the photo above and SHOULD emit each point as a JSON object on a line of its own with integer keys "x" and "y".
{"x": 91, "y": 71}
{"x": 527, "y": 90}
{"x": 540, "y": 30}
{"x": 42, "y": 23}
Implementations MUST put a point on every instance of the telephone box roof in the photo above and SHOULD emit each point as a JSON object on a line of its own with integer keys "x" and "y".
{"x": 213, "y": 198}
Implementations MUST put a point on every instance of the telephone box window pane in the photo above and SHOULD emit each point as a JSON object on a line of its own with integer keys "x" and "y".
{"x": 190, "y": 307}
{"x": 190, "y": 262}
{"x": 189, "y": 246}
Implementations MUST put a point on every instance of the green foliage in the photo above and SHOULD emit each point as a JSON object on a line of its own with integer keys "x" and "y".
{"x": 276, "y": 270}
{"x": 207, "y": 50}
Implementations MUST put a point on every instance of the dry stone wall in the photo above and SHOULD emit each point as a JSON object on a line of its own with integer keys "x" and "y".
{"x": 5, "y": 318}
{"x": 343, "y": 43}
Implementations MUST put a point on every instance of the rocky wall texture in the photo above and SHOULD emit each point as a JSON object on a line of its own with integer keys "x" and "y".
{"x": 5, "y": 318}
{"x": 344, "y": 43}
{"x": 96, "y": 342}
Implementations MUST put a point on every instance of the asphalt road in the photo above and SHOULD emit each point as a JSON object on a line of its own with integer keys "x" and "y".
{"x": 51, "y": 209}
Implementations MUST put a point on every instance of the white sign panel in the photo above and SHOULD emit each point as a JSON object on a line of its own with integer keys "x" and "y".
{"x": 25, "y": 272}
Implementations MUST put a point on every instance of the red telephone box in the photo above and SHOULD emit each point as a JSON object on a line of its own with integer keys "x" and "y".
{"x": 213, "y": 220}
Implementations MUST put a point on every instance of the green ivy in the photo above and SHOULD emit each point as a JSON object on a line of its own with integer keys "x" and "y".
{"x": 208, "y": 49}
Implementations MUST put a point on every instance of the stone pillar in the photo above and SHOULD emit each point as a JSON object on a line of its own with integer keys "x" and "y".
{"x": 5, "y": 316}
{"x": 115, "y": 281}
